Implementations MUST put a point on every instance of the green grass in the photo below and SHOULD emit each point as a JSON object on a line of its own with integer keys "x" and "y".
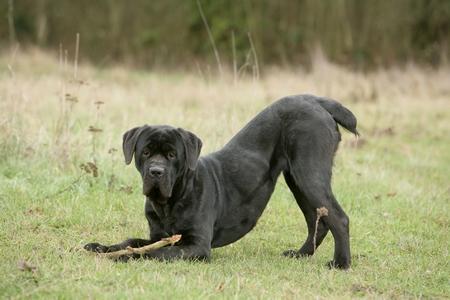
{"x": 394, "y": 187}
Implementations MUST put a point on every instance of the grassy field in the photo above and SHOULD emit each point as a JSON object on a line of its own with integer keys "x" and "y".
{"x": 393, "y": 183}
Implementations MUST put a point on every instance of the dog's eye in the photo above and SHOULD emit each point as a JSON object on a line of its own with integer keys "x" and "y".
{"x": 171, "y": 155}
{"x": 146, "y": 153}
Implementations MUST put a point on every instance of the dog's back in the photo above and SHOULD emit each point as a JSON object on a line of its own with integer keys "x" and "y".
{"x": 302, "y": 106}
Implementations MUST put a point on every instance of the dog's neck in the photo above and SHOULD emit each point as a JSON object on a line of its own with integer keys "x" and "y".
{"x": 161, "y": 210}
{"x": 180, "y": 192}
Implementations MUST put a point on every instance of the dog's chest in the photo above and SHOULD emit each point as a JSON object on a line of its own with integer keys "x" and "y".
{"x": 171, "y": 220}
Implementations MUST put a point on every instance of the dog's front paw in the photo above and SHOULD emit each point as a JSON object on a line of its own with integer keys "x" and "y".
{"x": 96, "y": 247}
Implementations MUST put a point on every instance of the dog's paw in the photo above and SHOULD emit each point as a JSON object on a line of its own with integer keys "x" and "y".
{"x": 96, "y": 247}
{"x": 332, "y": 264}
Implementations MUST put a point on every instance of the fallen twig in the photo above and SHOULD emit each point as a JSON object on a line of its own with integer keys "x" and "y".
{"x": 321, "y": 212}
{"x": 142, "y": 250}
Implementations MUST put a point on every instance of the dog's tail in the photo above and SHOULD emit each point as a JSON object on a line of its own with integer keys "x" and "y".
{"x": 340, "y": 114}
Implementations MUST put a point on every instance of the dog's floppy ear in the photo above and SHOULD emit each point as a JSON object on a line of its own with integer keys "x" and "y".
{"x": 192, "y": 147}
{"x": 129, "y": 142}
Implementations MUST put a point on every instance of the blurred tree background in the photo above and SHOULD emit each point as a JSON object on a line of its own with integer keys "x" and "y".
{"x": 172, "y": 33}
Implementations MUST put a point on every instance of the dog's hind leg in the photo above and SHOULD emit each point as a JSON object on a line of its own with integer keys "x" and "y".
{"x": 314, "y": 184}
{"x": 310, "y": 156}
{"x": 310, "y": 217}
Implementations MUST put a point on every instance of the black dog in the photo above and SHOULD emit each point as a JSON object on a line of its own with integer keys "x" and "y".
{"x": 215, "y": 200}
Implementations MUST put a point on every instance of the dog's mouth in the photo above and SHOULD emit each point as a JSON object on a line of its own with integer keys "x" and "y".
{"x": 156, "y": 195}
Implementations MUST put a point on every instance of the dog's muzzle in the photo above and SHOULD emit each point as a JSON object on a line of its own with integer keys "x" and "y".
{"x": 157, "y": 184}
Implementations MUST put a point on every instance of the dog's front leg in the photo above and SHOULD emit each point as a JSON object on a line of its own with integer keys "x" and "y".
{"x": 133, "y": 243}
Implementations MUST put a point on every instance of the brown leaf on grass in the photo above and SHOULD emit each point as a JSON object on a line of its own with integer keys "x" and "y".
{"x": 93, "y": 168}
{"x": 220, "y": 287}
{"x": 391, "y": 194}
{"x": 90, "y": 168}
{"x": 23, "y": 265}
{"x": 85, "y": 168}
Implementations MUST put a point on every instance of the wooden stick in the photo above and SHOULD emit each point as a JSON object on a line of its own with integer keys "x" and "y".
{"x": 321, "y": 212}
{"x": 142, "y": 250}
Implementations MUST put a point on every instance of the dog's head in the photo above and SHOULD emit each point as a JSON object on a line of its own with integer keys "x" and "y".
{"x": 162, "y": 155}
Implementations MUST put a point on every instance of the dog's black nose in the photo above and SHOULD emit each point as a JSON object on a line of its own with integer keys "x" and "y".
{"x": 156, "y": 171}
